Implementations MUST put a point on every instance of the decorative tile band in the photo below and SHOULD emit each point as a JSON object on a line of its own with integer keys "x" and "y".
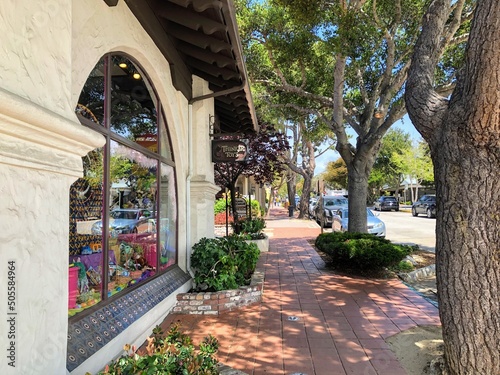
{"x": 91, "y": 333}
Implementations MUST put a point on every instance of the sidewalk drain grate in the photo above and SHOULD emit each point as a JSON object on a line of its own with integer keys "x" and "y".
{"x": 294, "y": 319}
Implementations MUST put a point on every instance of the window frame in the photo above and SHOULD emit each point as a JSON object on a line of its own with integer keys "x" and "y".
{"x": 106, "y": 131}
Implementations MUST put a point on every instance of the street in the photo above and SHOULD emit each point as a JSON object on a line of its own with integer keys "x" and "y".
{"x": 402, "y": 227}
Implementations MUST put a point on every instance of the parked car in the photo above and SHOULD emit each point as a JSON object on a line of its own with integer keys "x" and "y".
{"x": 386, "y": 203}
{"x": 312, "y": 207}
{"x": 123, "y": 221}
{"x": 374, "y": 224}
{"x": 331, "y": 203}
{"x": 425, "y": 205}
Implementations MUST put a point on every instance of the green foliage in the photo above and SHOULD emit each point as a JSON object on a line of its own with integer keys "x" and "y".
{"x": 255, "y": 207}
{"x": 416, "y": 162}
{"x": 335, "y": 175}
{"x": 303, "y": 56}
{"x": 402, "y": 267}
{"x": 220, "y": 205}
{"x": 360, "y": 251}
{"x": 387, "y": 170}
{"x": 252, "y": 228}
{"x": 223, "y": 263}
{"x": 174, "y": 354}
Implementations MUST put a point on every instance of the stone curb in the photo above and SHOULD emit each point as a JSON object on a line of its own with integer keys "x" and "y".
{"x": 226, "y": 370}
{"x": 420, "y": 274}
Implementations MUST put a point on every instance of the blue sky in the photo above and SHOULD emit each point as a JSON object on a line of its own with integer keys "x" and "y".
{"x": 404, "y": 124}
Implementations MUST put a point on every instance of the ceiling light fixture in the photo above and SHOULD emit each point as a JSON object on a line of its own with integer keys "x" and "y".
{"x": 122, "y": 65}
{"x": 136, "y": 76}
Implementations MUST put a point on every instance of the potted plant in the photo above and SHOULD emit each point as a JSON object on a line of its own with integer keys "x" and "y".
{"x": 252, "y": 230}
{"x": 223, "y": 263}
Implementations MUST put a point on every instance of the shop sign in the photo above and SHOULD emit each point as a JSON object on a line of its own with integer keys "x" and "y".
{"x": 147, "y": 140}
{"x": 229, "y": 151}
{"x": 241, "y": 206}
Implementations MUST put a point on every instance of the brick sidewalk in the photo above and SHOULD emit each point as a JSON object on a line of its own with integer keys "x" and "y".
{"x": 311, "y": 321}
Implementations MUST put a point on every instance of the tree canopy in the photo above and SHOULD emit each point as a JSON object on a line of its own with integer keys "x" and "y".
{"x": 345, "y": 64}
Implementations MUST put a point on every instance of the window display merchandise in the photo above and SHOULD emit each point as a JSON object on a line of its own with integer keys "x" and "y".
{"x": 123, "y": 212}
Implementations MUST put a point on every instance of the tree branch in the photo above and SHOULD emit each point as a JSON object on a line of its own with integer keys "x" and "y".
{"x": 426, "y": 108}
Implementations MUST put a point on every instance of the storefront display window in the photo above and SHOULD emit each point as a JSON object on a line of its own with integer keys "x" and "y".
{"x": 127, "y": 195}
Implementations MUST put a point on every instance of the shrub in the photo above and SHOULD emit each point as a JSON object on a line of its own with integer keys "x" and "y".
{"x": 220, "y": 205}
{"x": 251, "y": 228}
{"x": 223, "y": 263}
{"x": 360, "y": 251}
{"x": 174, "y": 354}
{"x": 403, "y": 266}
{"x": 256, "y": 210}
{"x": 220, "y": 218}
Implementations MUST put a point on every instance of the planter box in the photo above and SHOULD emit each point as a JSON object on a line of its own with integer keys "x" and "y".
{"x": 262, "y": 244}
{"x": 213, "y": 303}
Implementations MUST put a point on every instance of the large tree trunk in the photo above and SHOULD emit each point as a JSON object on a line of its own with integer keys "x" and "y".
{"x": 304, "y": 198}
{"x": 463, "y": 134}
{"x": 290, "y": 184}
{"x": 357, "y": 187}
{"x": 468, "y": 259}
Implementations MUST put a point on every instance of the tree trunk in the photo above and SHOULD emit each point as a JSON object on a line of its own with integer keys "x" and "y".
{"x": 463, "y": 135}
{"x": 304, "y": 198}
{"x": 358, "y": 194}
{"x": 468, "y": 259}
{"x": 290, "y": 184}
{"x": 232, "y": 190}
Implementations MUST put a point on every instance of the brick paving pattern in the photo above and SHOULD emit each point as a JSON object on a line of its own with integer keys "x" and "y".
{"x": 311, "y": 321}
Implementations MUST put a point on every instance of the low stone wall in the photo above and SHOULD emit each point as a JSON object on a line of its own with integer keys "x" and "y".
{"x": 213, "y": 303}
{"x": 419, "y": 274}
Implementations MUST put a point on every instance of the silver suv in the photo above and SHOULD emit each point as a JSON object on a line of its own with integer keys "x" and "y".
{"x": 331, "y": 203}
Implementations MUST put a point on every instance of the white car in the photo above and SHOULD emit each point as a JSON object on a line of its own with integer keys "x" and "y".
{"x": 312, "y": 206}
{"x": 341, "y": 221}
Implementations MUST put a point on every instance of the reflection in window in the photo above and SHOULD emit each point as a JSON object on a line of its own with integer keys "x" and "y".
{"x": 91, "y": 102}
{"x": 132, "y": 219}
{"x": 168, "y": 216}
{"x": 133, "y": 110}
{"x": 85, "y": 247}
{"x": 123, "y": 200}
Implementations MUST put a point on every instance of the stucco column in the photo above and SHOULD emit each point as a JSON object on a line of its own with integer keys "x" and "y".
{"x": 203, "y": 189}
{"x": 40, "y": 157}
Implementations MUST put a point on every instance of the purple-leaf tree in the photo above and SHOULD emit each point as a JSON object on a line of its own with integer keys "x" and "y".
{"x": 264, "y": 161}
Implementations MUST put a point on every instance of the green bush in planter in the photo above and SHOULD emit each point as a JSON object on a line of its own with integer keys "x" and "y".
{"x": 251, "y": 229}
{"x": 360, "y": 251}
{"x": 223, "y": 263}
{"x": 173, "y": 354}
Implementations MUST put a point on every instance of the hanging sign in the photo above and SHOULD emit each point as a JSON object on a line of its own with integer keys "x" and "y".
{"x": 241, "y": 207}
{"x": 229, "y": 151}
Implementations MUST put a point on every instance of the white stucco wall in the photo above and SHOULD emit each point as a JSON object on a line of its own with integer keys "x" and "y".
{"x": 48, "y": 50}
{"x": 35, "y": 46}
{"x": 40, "y": 156}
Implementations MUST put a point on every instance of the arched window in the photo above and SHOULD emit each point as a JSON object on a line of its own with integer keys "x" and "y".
{"x": 123, "y": 211}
